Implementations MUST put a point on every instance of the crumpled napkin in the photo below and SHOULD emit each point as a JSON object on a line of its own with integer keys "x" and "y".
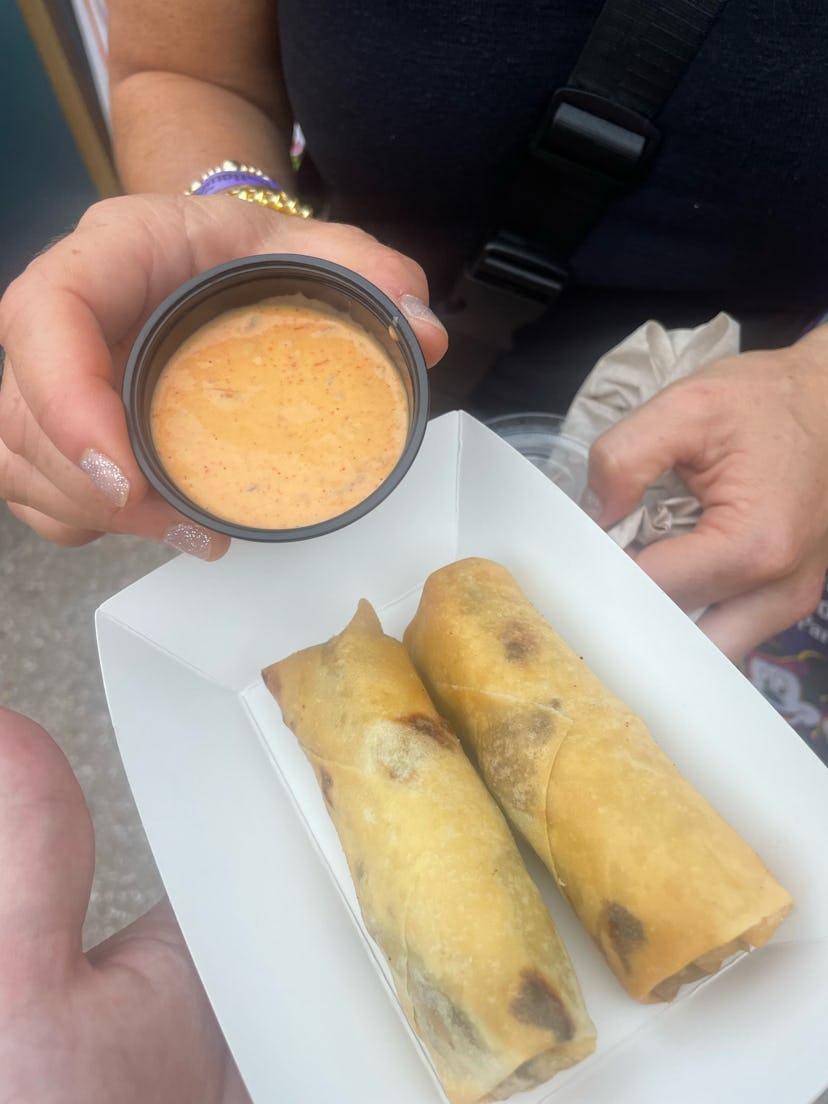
{"x": 624, "y": 378}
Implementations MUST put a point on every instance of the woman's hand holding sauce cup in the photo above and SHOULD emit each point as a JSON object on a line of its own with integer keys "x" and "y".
{"x": 67, "y": 467}
{"x": 276, "y": 397}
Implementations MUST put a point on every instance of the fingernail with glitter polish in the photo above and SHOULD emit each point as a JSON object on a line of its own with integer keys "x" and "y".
{"x": 191, "y": 539}
{"x": 106, "y": 476}
{"x": 591, "y": 504}
{"x": 417, "y": 311}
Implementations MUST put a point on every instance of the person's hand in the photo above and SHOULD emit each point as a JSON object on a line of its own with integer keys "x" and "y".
{"x": 67, "y": 325}
{"x": 749, "y": 436}
{"x": 129, "y": 1022}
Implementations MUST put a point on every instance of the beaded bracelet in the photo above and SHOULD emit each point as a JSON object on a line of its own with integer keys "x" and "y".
{"x": 250, "y": 184}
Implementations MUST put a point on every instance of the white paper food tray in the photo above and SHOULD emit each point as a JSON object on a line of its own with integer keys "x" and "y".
{"x": 252, "y": 863}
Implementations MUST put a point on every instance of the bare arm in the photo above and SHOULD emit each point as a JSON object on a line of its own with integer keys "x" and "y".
{"x": 193, "y": 83}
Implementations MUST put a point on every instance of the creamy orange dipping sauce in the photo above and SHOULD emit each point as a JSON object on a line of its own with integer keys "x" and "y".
{"x": 279, "y": 415}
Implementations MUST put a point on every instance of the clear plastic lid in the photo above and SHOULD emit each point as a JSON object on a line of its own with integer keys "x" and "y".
{"x": 539, "y": 437}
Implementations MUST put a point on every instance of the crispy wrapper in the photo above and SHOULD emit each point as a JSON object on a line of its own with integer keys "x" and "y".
{"x": 665, "y": 887}
{"x": 478, "y": 966}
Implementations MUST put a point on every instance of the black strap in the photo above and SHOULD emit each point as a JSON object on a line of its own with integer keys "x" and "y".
{"x": 594, "y": 143}
{"x": 638, "y": 51}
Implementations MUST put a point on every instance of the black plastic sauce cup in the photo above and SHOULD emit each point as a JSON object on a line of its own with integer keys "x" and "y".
{"x": 242, "y": 283}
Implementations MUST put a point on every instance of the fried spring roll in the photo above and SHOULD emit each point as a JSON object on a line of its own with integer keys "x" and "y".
{"x": 664, "y": 886}
{"x": 477, "y": 963}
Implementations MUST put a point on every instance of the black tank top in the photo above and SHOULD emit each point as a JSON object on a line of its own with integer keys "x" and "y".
{"x": 413, "y": 113}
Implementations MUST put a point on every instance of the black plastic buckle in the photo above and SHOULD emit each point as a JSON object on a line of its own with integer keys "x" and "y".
{"x": 509, "y": 284}
{"x": 583, "y": 131}
{"x": 509, "y": 262}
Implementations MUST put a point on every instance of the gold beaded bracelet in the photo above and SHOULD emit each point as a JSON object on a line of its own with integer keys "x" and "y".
{"x": 274, "y": 200}
{"x": 250, "y": 184}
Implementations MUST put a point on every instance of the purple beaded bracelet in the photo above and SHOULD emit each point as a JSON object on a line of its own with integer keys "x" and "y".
{"x": 231, "y": 174}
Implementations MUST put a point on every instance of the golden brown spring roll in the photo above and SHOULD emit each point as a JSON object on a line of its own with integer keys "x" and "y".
{"x": 478, "y": 966}
{"x": 663, "y": 885}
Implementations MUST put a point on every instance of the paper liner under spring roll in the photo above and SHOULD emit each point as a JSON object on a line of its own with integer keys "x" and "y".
{"x": 478, "y": 966}
{"x": 664, "y": 886}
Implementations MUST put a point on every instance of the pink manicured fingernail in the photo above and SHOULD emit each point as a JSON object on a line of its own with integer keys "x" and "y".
{"x": 417, "y": 311}
{"x": 191, "y": 539}
{"x": 591, "y": 504}
{"x": 106, "y": 476}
